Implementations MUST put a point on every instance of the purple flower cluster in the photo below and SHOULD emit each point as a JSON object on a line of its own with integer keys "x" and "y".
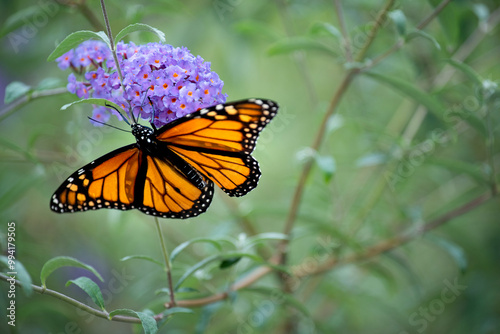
{"x": 160, "y": 82}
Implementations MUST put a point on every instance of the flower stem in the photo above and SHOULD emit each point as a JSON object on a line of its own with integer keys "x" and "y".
{"x": 111, "y": 41}
{"x": 167, "y": 263}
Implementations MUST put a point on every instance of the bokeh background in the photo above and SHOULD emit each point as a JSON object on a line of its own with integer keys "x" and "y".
{"x": 386, "y": 166}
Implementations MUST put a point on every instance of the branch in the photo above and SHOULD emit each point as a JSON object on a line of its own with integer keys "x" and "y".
{"x": 12, "y": 107}
{"x": 392, "y": 243}
{"x": 398, "y": 45}
{"x": 346, "y": 41}
{"x": 246, "y": 281}
{"x": 76, "y": 303}
{"x": 297, "y": 197}
{"x": 373, "y": 32}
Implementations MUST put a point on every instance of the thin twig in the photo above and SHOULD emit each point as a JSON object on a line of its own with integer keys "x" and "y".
{"x": 167, "y": 263}
{"x": 89, "y": 15}
{"x": 390, "y": 244}
{"x": 447, "y": 72}
{"x": 433, "y": 15}
{"x": 399, "y": 44}
{"x": 346, "y": 41}
{"x": 76, "y": 303}
{"x": 382, "y": 15}
{"x": 25, "y": 99}
{"x": 248, "y": 280}
{"x": 297, "y": 196}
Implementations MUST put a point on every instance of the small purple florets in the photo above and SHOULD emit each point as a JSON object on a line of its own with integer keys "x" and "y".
{"x": 176, "y": 82}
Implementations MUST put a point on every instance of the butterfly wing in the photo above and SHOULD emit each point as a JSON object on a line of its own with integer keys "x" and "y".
{"x": 170, "y": 192}
{"x": 218, "y": 141}
{"x": 128, "y": 178}
{"x": 108, "y": 182}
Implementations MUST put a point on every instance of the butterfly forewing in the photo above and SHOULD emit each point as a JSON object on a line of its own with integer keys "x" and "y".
{"x": 108, "y": 182}
{"x": 218, "y": 141}
{"x": 231, "y": 127}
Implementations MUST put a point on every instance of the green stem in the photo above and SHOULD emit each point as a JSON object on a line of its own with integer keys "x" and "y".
{"x": 346, "y": 41}
{"x": 167, "y": 263}
{"x": 25, "y": 99}
{"x": 111, "y": 41}
{"x": 373, "y": 32}
{"x": 76, "y": 303}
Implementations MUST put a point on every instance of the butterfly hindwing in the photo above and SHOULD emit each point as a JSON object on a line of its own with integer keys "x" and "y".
{"x": 170, "y": 193}
{"x": 217, "y": 141}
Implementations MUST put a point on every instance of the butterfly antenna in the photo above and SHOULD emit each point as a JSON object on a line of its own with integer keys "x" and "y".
{"x": 115, "y": 127}
{"x": 118, "y": 111}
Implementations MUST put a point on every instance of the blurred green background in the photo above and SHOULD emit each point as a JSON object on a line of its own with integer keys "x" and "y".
{"x": 386, "y": 166}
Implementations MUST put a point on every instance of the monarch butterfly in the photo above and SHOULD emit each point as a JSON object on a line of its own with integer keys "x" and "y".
{"x": 170, "y": 172}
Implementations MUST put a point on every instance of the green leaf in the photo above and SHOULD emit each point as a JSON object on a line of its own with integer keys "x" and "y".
{"x": 91, "y": 289}
{"x": 50, "y": 83}
{"x": 185, "y": 244}
{"x": 467, "y": 70}
{"x": 22, "y": 274}
{"x": 260, "y": 238}
{"x": 460, "y": 167}
{"x": 293, "y": 44}
{"x": 421, "y": 33}
{"x": 166, "y": 291}
{"x": 406, "y": 88}
{"x": 227, "y": 263}
{"x": 142, "y": 257}
{"x": 371, "y": 159}
{"x": 216, "y": 257}
{"x": 470, "y": 118}
{"x": 283, "y": 297}
{"x": 399, "y": 19}
{"x": 482, "y": 12}
{"x": 64, "y": 261}
{"x": 99, "y": 102}
{"x": 174, "y": 310}
{"x": 75, "y": 39}
{"x": 139, "y": 27}
{"x": 19, "y": 19}
{"x": 148, "y": 322}
{"x": 325, "y": 28}
{"x": 15, "y": 90}
{"x": 455, "y": 251}
{"x": 327, "y": 165}
{"x": 256, "y": 28}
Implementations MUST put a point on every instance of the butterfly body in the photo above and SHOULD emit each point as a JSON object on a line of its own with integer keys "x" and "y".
{"x": 170, "y": 172}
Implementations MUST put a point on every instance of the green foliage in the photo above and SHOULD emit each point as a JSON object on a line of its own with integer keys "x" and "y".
{"x": 91, "y": 289}
{"x": 96, "y": 101}
{"x": 147, "y": 321}
{"x": 64, "y": 261}
{"x": 15, "y": 90}
{"x": 75, "y": 39}
{"x": 139, "y": 27}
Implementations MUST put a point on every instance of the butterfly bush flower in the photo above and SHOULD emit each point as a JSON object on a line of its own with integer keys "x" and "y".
{"x": 160, "y": 83}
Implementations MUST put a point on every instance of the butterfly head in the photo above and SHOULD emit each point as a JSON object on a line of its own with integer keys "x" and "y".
{"x": 143, "y": 134}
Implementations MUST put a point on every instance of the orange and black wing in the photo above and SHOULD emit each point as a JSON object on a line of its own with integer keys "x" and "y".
{"x": 127, "y": 178}
{"x": 218, "y": 141}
